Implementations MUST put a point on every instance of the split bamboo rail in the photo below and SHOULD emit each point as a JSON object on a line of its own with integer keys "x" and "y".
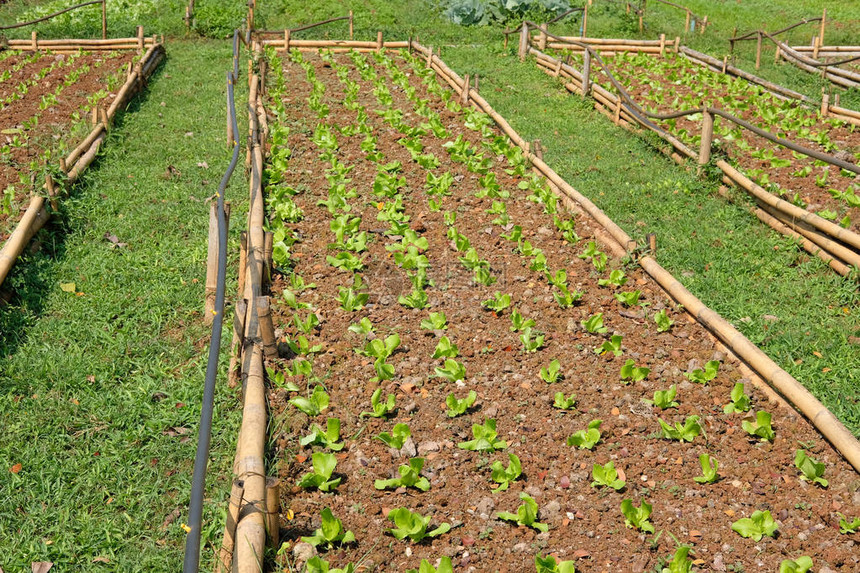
{"x": 80, "y": 158}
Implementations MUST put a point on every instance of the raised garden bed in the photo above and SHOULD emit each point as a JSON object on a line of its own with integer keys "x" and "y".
{"x": 359, "y": 204}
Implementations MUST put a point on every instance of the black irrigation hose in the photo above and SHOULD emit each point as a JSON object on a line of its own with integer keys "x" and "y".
{"x": 49, "y": 16}
{"x": 752, "y": 35}
{"x": 191, "y": 563}
{"x": 641, "y": 114}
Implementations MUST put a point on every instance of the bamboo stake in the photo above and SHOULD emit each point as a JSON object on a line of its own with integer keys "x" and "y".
{"x": 662, "y": 45}
{"x": 777, "y": 54}
{"x": 704, "y": 24}
{"x": 586, "y": 73}
{"x": 212, "y": 261}
{"x": 273, "y": 510}
{"x": 707, "y": 137}
{"x": 825, "y": 104}
{"x": 268, "y": 262}
{"x": 52, "y": 191}
{"x": 758, "y": 52}
{"x": 237, "y": 345}
{"x": 584, "y": 32}
{"x": 524, "y": 42}
{"x": 140, "y": 39}
{"x": 85, "y": 144}
{"x": 617, "y": 117}
{"x": 687, "y": 23}
{"x": 86, "y": 159}
{"x": 820, "y": 33}
{"x": 677, "y": 44}
{"x": 464, "y": 93}
{"x": 351, "y": 29}
{"x": 34, "y": 42}
{"x": 267, "y": 328}
{"x": 287, "y": 40}
{"x": 34, "y": 219}
{"x": 224, "y": 564}
{"x": 104, "y": 19}
{"x": 542, "y": 37}
{"x": 379, "y": 42}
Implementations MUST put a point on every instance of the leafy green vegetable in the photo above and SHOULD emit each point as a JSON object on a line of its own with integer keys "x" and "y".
{"x": 740, "y": 401}
{"x": 504, "y": 476}
{"x": 588, "y": 438}
{"x": 846, "y": 527}
{"x": 498, "y": 303}
{"x": 380, "y": 409}
{"x": 704, "y": 376}
{"x": 364, "y": 326}
{"x": 637, "y": 517}
{"x": 612, "y": 345}
{"x": 551, "y": 373}
{"x": 351, "y": 301}
{"x": 526, "y": 514}
{"x": 320, "y": 477}
{"x": 548, "y": 564}
{"x": 800, "y": 565}
{"x": 445, "y": 349}
{"x": 410, "y": 476}
{"x": 458, "y": 407}
{"x": 761, "y": 427}
{"x": 327, "y": 438}
{"x": 594, "y": 324}
{"x": 436, "y": 321}
{"x": 330, "y": 532}
{"x": 519, "y": 323}
{"x": 757, "y": 525}
{"x": 628, "y": 298}
{"x": 397, "y": 437}
{"x": 709, "y": 469}
{"x": 812, "y": 469}
{"x": 664, "y": 323}
{"x": 680, "y": 562}
{"x": 616, "y": 278}
{"x": 684, "y": 433}
{"x": 413, "y": 525}
{"x": 665, "y": 398}
{"x": 485, "y": 438}
{"x": 632, "y": 372}
{"x": 452, "y": 371}
{"x": 317, "y": 564}
{"x": 607, "y": 476}
{"x": 315, "y": 404}
{"x": 563, "y": 403}
{"x": 426, "y": 567}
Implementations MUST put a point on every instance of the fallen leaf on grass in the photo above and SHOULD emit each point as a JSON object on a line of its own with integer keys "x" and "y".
{"x": 16, "y": 468}
{"x": 203, "y": 164}
{"x": 101, "y": 559}
{"x": 41, "y": 566}
{"x": 67, "y": 287}
{"x": 114, "y": 240}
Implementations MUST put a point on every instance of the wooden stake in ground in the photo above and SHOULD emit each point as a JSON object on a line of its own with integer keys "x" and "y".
{"x": 273, "y": 510}
{"x": 586, "y": 73}
{"x": 225, "y": 556}
{"x": 267, "y": 328}
{"x": 524, "y": 42}
{"x": 707, "y": 137}
{"x": 212, "y": 261}
{"x": 758, "y": 51}
{"x": 104, "y": 19}
{"x": 379, "y": 41}
{"x": 584, "y": 32}
{"x": 235, "y": 370}
{"x": 464, "y": 93}
{"x": 542, "y": 37}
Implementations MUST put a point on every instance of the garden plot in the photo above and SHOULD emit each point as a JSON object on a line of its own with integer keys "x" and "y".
{"x": 45, "y": 106}
{"x": 465, "y": 375}
{"x": 673, "y": 83}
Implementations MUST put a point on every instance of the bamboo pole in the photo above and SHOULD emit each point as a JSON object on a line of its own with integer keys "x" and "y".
{"x": 87, "y": 142}
{"x": 351, "y": 28}
{"x": 825, "y": 104}
{"x": 584, "y": 31}
{"x": 273, "y": 510}
{"x": 104, "y": 19}
{"x": 269, "y": 264}
{"x": 212, "y": 260}
{"x": 707, "y": 137}
{"x": 224, "y": 563}
{"x": 379, "y": 42}
{"x": 586, "y": 73}
{"x": 524, "y": 42}
{"x": 234, "y": 373}
{"x": 34, "y": 40}
{"x": 34, "y": 219}
{"x": 542, "y": 36}
{"x": 52, "y": 191}
{"x": 833, "y": 248}
{"x": 267, "y": 328}
{"x": 464, "y": 92}
{"x": 758, "y": 52}
{"x": 687, "y": 23}
{"x": 662, "y": 45}
{"x": 87, "y": 158}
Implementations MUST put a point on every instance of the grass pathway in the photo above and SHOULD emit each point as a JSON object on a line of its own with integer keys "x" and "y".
{"x": 100, "y": 389}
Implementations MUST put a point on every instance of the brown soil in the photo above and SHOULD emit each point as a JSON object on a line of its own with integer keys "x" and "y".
{"x": 54, "y": 123}
{"x": 585, "y": 523}
{"x": 802, "y": 190}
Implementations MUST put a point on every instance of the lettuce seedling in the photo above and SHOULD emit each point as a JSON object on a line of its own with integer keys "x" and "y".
{"x": 450, "y": 218}
{"x": 683, "y": 433}
{"x": 413, "y": 525}
{"x": 531, "y": 344}
{"x": 607, "y": 476}
{"x": 347, "y": 261}
{"x": 757, "y": 525}
{"x": 628, "y": 298}
{"x": 301, "y": 347}
{"x": 704, "y": 376}
{"x": 485, "y": 438}
{"x": 812, "y": 469}
{"x": 363, "y": 327}
{"x": 637, "y": 517}
{"x": 563, "y": 403}
{"x": 664, "y": 399}
{"x": 301, "y": 367}
{"x": 315, "y": 404}
{"x": 761, "y": 427}
{"x": 632, "y": 372}
{"x": 350, "y": 300}
{"x": 452, "y": 371}
{"x": 526, "y": 514}
{"x": 380, "y": 349}
{"x": 327, "y": 438}
{"x": 320, "y": 477}
{"x": 330, "y": 532}
{"x": 416, "y": 299}
{"x": 498, "y": 303}
{"x": 445, "y": 349}
{"x": 594, "y": 324}
{"x": 515, "y": 235}
{"x": 307, "y": 325}
{"x": 664, "y": 323}
{"x": 410, "y": 476}
{"x": 279, "y": 380}
{"x": 445, "y": 566}
{"x": 518, "y": 323}
{"x": 436, "y": 321}
{"x": 317, "y": 564}
{"x": 504, "y": 476}
{"x": 484, "y": 276}
{"x": 616, "y": 278}
{"x": 709, "y": 469}
{"x": 565, "y": 297}
{"x": 291, "y": 301}
{"x": 460, "y": 241}
{"x": 548, "y": 564}
{"x": 800, "y": 565}
{"x": 551, "y": 373}
{"x": 740, "y": 401}
{"x": 380, "y": 409}
{"x": 680, "y": 562}
{"x": 588, "y": 438}
{"x": 612, "y": 345}
{"x": 458, "y": 407}
{"x": 398, "y": 436}
{"x": 846, "y": 527}
{"x": 440, "y": 185}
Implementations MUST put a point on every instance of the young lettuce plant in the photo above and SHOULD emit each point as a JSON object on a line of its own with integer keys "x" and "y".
{"x": 709, "y": 469}
{"x": 445, "y": 566}
{"x": 664, "y": 323}
{"x": 436, "y": 321}
{"x": 846, "y": 527}
{"x": 362, "y": 327}
{"x": 683, "y": 433}
{"x": 756, "y": 526}
{"x": 680, "y": 562}
{"x": 616, "y": 279}
{"x": 458, "y": 407}
{"x": 588, "y": 438}
{"x": 380, "y": 349}
{"x": 800, "y": 565}
{"x": 518, "y": 323}
{"x": 317, "y": 564}
{"x": 452, "y": 371}
{"x": 328, "y": 438}
{"x": 637, "y": 517}
{"x": 594, "y": 324}
{"x": 606, "y": 476}
{"x": 552, "y": 373}
{"x": 313, "y": 405}
{"x": 548, "y": 564}
{"x": 612, "y": 345}
{"x": 703, "y": 376}
{"x": 740, "y": 401}
{"x": 413, "y": 525}
{"x": 380, "y": 408}
{"x": 486, "y": 438}
{"x": 812, "y": 469}
{"x": 505, "y": 475}
{"x": 330, "y": 532}
{"x": 498, "y": 303}
{"x": 445, "y": 349}
{"x": 320, "y": 477}
{"x": 526, "y": 514}
{"x": 410, "y": 476}
{"x": 665, "y": 399}
{"x": 761, "y": 428}
{"x": 398, "y": 436}
{"x": 628, "y": 298}
{"x": 350, "y": 301}
{"x": 632, "y": 372}
{"x": 564, "y": 403}
{"x": 531, "y": 344}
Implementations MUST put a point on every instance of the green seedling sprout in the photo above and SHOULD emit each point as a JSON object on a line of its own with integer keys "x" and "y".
{"x": 564, "y": 403}
{"x": 606, "y": 476}
{"x": 616, "y": 278}
{"x": 505, "y": 475}
{"x": 498, "y": 303}
{"x": 594, "y": 324}
{"x": 320, "y": 477}
{"x": 684, "y": 433}
{"x": 485, "y": 438}
{"x": 756, "y": 526}
{"x": 551, "y": 373}
{"x": 436, "y": 321}
{"x": 811, "y": 469}
{"x": 632, "y": 372}
{"x": 398, "y": 436}
{"x": 637, "y": 517}
{"x": 410, "y": 476}
{"x": 680, "y": 562}
{"x": 665, "y": 399}
{"x": 709, "y": 469}
{"x": 452, "y": 371}
{"x": 664, "y": 323}
{"x": 317, "y": 564}
{"x": 457, "y": 407}
{"x": 518, "y": 323}
{"x": 846, "y": 527}
{"x": 445, "y": 349}
{"x": 328, "y": 438}
{"x": 315, "y": 404}
{"x": 531, "y": 343}
{"x": 445, "y": 566}
{"x": 330, "y": 532}
{"x": 740, "y": 401}
{"x": 548, "y": 564}
{"x": 380, "y": 409}
{"x": 362, "y": 327}
{"x": 588, "y": 438}
{"x": 526, "y": 514}
{"x": 628, "y": 298}
{"x": 761, "y": 428}
{"x": 413, "y": 525}
{"x": 612, "y": 345}
{"x": 800, "y": 565}
{"x": 703, "y": 376}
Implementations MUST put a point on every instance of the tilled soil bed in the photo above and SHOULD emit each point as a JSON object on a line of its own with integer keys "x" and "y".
{"x": 585, "y": 522}
{"x": 673, "y": 83}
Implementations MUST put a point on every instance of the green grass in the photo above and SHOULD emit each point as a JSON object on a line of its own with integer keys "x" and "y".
{"x": 94, "y": 386}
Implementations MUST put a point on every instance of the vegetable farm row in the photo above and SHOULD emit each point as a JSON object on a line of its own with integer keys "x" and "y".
{"x": 467, "y": 381}
{"x": 673, "y": 83}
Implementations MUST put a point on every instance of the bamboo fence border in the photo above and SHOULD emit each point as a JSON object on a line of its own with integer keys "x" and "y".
{"x": 825, "y": 239}
{"x": 80, "y": 158}
{"x": 251, "y": 517}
